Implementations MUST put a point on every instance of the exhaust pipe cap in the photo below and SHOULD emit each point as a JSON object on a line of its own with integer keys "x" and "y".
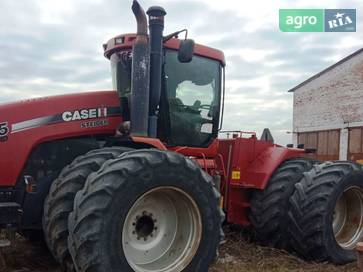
{"x": 156, "y": 11}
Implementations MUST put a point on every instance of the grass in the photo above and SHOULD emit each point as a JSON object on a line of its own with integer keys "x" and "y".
{"x": 239, "y": 253}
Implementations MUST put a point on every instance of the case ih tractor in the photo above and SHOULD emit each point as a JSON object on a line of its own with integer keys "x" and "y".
{"x": 152, "y": 196}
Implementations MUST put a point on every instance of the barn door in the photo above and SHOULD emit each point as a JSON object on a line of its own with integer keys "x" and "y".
{"x": 326, "y": 143}
{"x": 355, "y": 152}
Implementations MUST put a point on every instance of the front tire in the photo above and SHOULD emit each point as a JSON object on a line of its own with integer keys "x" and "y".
{"x": 326, "y": 212}
{"x": 59, "y": 202}
{"x": 148, "y": 210}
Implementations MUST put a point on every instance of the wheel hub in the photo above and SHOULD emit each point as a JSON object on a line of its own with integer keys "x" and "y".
{"x": 348, "y": 218}
{"x": 145, "y": 226}
{"x": 162, "y": 231}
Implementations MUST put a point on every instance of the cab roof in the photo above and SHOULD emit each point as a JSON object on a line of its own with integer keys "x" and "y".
{"x": 125, "y": 41}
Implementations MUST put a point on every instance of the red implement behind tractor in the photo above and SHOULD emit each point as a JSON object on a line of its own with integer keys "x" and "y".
{"x": 136, "y": 179}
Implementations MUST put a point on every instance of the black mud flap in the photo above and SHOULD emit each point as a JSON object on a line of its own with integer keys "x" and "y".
{"x": 10, "y": 216}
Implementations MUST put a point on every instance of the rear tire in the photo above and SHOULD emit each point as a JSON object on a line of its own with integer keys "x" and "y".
{"x": 321, "y": 229}
{"x": 123, "y": 219}
{"x": 59, "y": 202}
{"x": 269, "y": 207}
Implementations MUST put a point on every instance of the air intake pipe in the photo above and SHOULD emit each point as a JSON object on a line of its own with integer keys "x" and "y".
{"x": 156, "y": 27}
{"x": 139, "y": 112}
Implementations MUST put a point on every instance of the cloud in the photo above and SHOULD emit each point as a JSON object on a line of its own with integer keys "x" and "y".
{"x": 50, "y": 47}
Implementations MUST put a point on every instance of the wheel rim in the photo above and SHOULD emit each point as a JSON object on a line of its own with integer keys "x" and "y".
{"x": 162, "y": 231}
{"x": 348, "y": 218}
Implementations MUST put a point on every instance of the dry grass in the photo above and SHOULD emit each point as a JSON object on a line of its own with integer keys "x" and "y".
{"x": 242, "y": 255}
{"x": 23, "y": 257}
{"x": 237, "y": 254}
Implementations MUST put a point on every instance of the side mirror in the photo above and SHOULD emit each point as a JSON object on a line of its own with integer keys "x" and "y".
{"x": 186, "y": 50}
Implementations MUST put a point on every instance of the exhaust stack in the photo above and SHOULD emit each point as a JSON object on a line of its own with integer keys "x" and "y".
{"x": 140, "y": 75}
{"x": 156, "y": 27}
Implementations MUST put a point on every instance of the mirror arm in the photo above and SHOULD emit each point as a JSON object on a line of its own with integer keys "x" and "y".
{"x": 175, "y": 34}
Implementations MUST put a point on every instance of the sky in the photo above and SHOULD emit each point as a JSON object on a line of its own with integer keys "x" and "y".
{"x": 50, "y": 47}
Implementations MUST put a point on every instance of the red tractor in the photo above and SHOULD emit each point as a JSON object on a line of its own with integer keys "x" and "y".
{"x": 153, "y": 196}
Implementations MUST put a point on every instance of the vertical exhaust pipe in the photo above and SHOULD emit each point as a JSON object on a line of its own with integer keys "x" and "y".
{"x": 156, "y": 27}
{"x": 140, "y": 75}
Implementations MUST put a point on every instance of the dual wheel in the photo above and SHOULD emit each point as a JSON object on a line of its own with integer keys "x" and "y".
{"x": 315, "y": 210}
{"x": 143, "y": 210}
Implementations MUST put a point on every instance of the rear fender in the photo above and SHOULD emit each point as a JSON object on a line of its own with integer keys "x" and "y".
{"x": 258, "y": 173}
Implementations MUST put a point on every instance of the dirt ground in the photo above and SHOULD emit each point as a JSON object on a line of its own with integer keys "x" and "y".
{"x": 239, "y": 253}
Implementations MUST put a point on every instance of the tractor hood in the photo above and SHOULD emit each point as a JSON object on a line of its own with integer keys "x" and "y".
{"x": 27, "y": 123}
{"x": 32, "y": 114}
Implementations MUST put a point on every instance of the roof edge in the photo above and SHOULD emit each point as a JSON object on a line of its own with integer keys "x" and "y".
{"x": 325, "y": 70}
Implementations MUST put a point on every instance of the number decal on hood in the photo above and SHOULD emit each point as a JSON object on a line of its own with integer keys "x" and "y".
{"x": 4, "y": 131}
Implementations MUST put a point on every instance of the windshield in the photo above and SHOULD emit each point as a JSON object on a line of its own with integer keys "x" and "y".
{"x": 192, "y": 93}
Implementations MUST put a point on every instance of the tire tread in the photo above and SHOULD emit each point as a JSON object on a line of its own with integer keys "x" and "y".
{"x": 269, "y": 206}
{"x": 59, "y": 202}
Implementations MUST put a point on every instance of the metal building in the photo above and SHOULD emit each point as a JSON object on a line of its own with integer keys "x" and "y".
{"x": 328, "y": 111}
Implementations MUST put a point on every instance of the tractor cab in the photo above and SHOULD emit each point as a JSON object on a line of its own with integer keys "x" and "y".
{"x": 192, "y": 94}
{"x": 188, "y": 105}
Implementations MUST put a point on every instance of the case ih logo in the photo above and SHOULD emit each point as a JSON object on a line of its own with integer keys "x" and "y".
{"x": 84, "y": 114}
